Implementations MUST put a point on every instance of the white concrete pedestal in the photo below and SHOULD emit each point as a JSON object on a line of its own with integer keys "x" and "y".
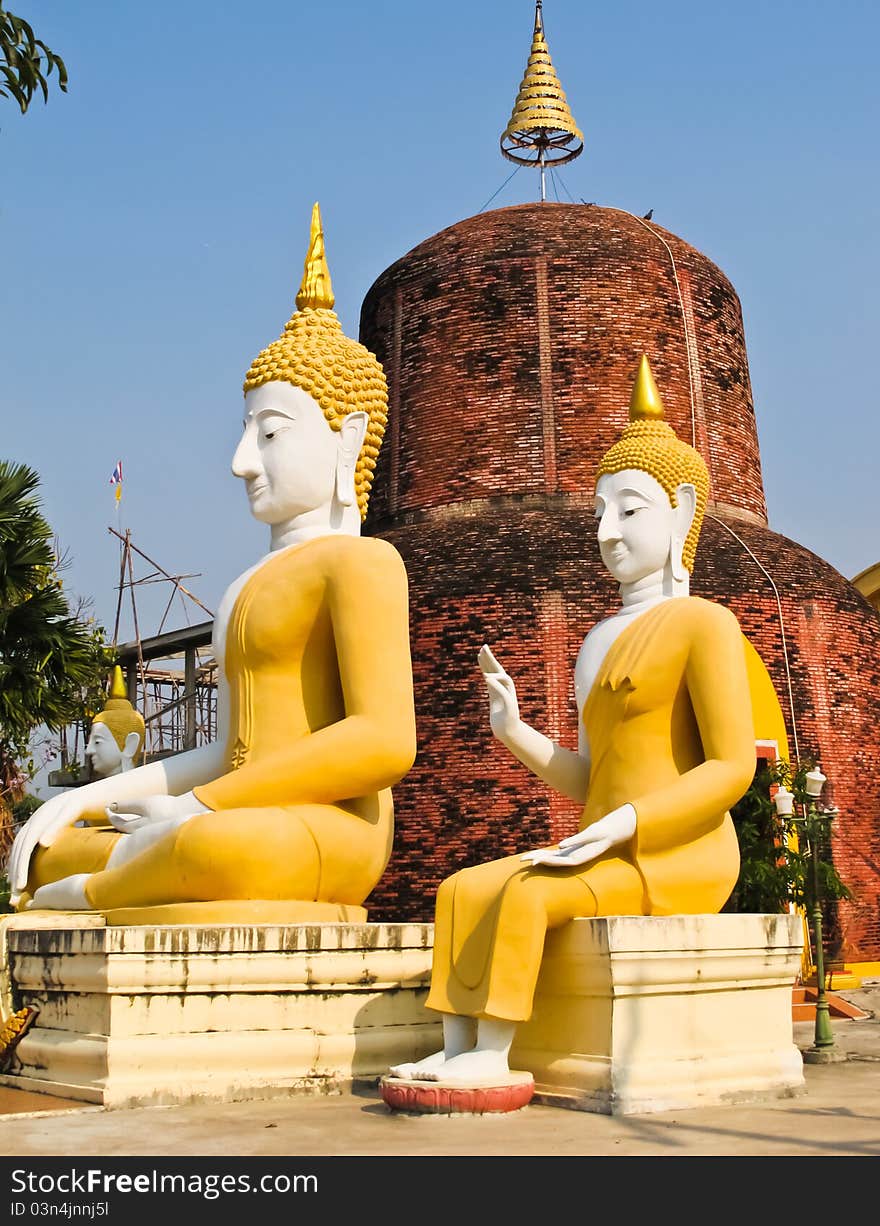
{"x": 159, "y": 1015}
{"x": 640, "y": 1014}
{"x": 632, "y": 1014}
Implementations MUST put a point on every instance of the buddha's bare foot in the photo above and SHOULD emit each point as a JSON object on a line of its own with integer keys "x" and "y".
{"x": 419, "y": 1070}
{"x": 404, "y": 1071}
{"x": 470, "y": 1068}
{"x": 66, "y": 894}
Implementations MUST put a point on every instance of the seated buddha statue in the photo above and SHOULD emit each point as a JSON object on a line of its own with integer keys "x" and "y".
{"x": 666, "y": 746}
{"x": 316, "y": 723}
{"x": 116, "y": 737}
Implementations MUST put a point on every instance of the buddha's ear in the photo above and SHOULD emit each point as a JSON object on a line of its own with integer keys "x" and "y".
{"x": 351, "y": 439}
{"x": 132, "y": 745}
{"x": 682, "y": 518}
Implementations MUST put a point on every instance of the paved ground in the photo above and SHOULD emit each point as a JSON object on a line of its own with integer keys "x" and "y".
{"x": 838, "y": 1114}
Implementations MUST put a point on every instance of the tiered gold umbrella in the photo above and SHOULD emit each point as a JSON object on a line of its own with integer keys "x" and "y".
{"x": 541, "y": 130}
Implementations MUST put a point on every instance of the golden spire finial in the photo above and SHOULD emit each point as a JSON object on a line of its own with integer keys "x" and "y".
{"x": 541, "y": 129}
{"x": 645, "y": 403}
{"x": 117, "y": 684}
{"x": 316, "y": 292}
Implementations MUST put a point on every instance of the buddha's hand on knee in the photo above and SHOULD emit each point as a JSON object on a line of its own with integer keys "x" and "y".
{"x": 40, "y": 830}
{"x": 131, "y": 815}
{"x": 503, "y": 704}
{"x": 609, "y": 831}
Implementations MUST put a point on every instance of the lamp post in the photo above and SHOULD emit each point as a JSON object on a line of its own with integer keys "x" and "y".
{"x": 814, "y": 781}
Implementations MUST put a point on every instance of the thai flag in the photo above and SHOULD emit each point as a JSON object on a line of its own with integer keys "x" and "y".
{"x": 116, "y": 479}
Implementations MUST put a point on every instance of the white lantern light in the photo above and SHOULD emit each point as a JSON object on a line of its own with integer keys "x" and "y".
{"x": 784, "y": 801}
{"x": 815, "y": 782}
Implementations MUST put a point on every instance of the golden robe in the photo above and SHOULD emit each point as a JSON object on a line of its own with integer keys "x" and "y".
{"x": 670, "y": 730}
{"x": 322, "y": 725}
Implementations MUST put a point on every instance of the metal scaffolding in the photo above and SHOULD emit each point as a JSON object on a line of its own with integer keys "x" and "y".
{"x": 179, "y": 706}
{"x": 171, "y": 676}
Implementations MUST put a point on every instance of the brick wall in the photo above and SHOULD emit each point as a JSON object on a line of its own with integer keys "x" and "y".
{"x": 831, "y": 637}
{"x": 510, "y": 342}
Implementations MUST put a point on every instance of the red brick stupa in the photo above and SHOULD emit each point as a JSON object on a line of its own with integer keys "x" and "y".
{"x": 510, "y": 341}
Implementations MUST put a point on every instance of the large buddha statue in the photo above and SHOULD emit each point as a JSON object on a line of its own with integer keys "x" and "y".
{"x": 116, "y": 737}
{"x": 292, "y": 801}
{"x": 666, "y": 746}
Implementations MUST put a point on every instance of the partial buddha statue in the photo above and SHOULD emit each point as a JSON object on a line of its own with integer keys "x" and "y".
{"x": 116, "y": 737}
{"x": 288, "y": 814}
{"x": 666, "y": 746}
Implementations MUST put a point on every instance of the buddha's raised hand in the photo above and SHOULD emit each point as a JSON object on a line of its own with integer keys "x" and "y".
{"x": 588, "y": 844}
{"x": 503, "y": 704}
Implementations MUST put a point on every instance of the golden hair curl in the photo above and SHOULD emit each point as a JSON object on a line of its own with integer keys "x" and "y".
{"x": 313, "y": 353}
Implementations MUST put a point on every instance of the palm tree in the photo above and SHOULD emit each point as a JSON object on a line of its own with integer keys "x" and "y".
{"x": 50, "y": 657}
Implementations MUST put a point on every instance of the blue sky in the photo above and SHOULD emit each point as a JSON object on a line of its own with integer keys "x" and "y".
{"x": 155, "y": 218}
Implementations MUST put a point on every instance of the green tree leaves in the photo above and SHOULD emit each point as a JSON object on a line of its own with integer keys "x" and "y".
{"x": 774, "y": 867}
{"x": 26, "y": 63}
{"x": 53, "y": 661}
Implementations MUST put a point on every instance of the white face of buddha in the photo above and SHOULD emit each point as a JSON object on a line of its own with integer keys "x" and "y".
{"x": 636, "y": 525}
{"x": 102, "y": 751}
{"x": 288, "y": 453}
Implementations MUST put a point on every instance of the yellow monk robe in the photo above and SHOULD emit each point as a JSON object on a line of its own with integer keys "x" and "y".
{"x": 670, "y": 731}
{"x": 322, "y": 725}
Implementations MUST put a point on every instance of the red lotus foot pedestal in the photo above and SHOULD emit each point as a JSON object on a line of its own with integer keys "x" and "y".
{"x": 444, "y": 1098}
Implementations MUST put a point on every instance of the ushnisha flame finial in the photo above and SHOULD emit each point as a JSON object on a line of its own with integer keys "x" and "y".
{"x": 541, "y": 129}
{"x": 645, "y": 403}
{"x": 316, "y": 292}
{"x": 117, "y": 684}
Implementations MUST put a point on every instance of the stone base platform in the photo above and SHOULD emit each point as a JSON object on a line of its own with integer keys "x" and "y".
{"x": 133, "y": 1016}
{"x": 446, "y": 1098}
{"x": 634, "y": 1014}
